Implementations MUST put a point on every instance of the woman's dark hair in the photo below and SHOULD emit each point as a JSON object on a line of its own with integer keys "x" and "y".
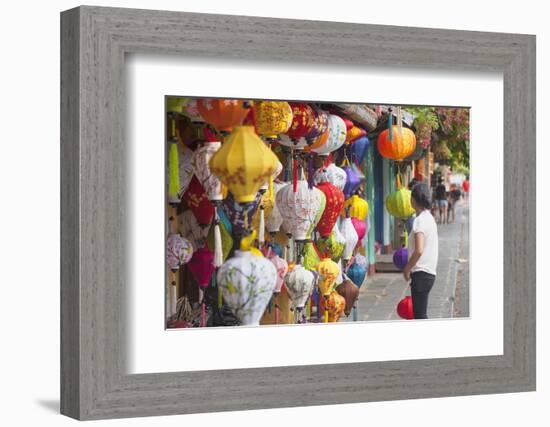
{"x": 422, "y": 195}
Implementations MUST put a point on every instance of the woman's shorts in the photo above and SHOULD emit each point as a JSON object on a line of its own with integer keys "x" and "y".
{"x": 441, "y": 203}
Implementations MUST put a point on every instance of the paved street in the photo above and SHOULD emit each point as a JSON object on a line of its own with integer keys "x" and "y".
{"x": 449, "y": 296}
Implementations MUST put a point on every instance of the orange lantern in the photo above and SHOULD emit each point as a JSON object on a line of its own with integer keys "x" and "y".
{"x": 223, "y": 114}
{"x": 401, "y": 145}
{"x": 354, "y": 133}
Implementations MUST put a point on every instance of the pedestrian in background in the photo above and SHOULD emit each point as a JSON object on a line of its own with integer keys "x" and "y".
{"x": 423, "y": 247}
{"x": 441, "y": 201}
{"x": 466, "y": 187}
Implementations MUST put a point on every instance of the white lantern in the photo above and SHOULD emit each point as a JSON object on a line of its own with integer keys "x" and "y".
{"x": 333, "y": 174}
{"x": 178, "y": 251}
{"x": 299, "y": 209}
{"x": 348, "y": 231}
{"x": 299, "y": 284}
{"x": 274, "y": 221}
{"x": 336, "y": 137}
{"x": 278, "y": 170}
{"x": 287, "y": 142}
{"x": 201, "y": 158}
{"x": 247, "y": 283}
{"x": 191, "y": 230}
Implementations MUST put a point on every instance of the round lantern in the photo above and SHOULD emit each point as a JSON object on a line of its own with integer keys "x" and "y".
{"x": 191, "y": 110}
{"x": 354, "y": 133}
{"x": 333, "y": 245}
{"x": 247, "y": 283}
{"x": 198, "y": 202}
{"x": 320, "y": 124}
{"x": 405, "y": 308}
{"x": 299, "y": 209}
{"x": 282, "y": 268}
{"x": 360, "y": 227}
{"x": 398, "y": 203}
{"x": 348, "y": 231}
{"x": 299, "y": 284}
{"x": 358, "y": 207}
{"x": 350, "y": 292}
{"x": 297, "y": 144}
{"x": 303, "y": 120}
{"x": 401, "y": 258}
{"x": 335, "y": 306}
{"x": 319, "y": 214}
{"x": 348, "y": 122}
{"x": 352, "y": 181}
{"x": 331, "y": 173}
{"x": 191, "y": 229}
{"x": 334, "y": 203}
{"x": 179, "y": 251}
{"x": 357, "y": 272}
{"x": 361, "y": 260}
{"x": 328, "y": 273}
{"x": 311, "y": 257}
{"x": 275, "y": 219}
{"x": 209, "y": 181}
{"x": 319, "y": 141}
{"x": 243, "y": 163}
{"x": 239, "y": 215}
{"x": 400, "y": 146}
{"x": 201, "y": 266}
{"x": 272, "y": 118}
{"x": 359, "y": 149}
{"x": 223, "y": 114}
{"x": 336, "y": 138}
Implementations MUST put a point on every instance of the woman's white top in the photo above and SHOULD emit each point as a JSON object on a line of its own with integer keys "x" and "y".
{"x": 424, "y": 223}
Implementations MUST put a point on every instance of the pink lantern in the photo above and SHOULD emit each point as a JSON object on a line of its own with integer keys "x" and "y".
{"x": 282, "y": 268}
{"x": 360, "y": 227}
{"x": 201, "y": 266}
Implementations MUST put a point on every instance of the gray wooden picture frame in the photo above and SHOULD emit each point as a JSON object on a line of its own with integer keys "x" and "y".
{"x": 94, "y": 41}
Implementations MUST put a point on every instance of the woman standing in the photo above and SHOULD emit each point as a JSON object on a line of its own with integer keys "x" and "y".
{"x": 423, "y": 247}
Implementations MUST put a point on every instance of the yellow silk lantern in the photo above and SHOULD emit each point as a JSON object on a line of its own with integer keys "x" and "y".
{"x": 272, "y": 118}
{"x": 243, "y": 163}
{"x": 335, "y": 306}
{"x": 328, "y": 272}
{"x": 358, "y": 207}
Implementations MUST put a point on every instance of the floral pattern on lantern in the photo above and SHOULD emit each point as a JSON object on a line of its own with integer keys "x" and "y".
{"x": 328, "y": 273}
{"x": 239, "y": 215}
{"x": 335, "y": 306}
{"x": 303, "y": 120}
{"x": 272, "y": 118}
{"x": 223, "y": 114}
{"x": 247, "y": 283}
{"x": 336, "y": 138}
{"x": 179, "y": 251}
{"x": 243, "y": 163}
{"x": 185, "y": 168}
{"x": 333, "y": 245}
{"x": 331, "y": 173}
{"x": 401, "y": 145}
{"x": 191, "y": 229}
{"x": 282, "y": 268}
{"x": 320, "y": 124}
{"x": 334, "y": 203}
{"x": 299, "y": 284}
{"x": 191, "y": 110}
{"x": 198, "y": 202}
{"x": 210, "y": 182}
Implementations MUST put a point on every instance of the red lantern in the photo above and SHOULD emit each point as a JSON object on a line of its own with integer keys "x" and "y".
{"x": 348, "y": 122}
{"x": 198, "y": 202}
{"x": 223, "y": 114}
{"x": 303, "y": 120}
{"x": 201, "y": 266}
{"x": 405, "y": 308}
{"x": 334, "y": 203}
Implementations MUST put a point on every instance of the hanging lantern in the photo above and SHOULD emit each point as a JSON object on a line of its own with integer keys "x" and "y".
{"x": 282, "y": 268}
{"x": 405, "y": 308}
{"x": 178, "y": 251}
{"x": 191, "y": 229}
{"x": 311, "y": 257}
{"x": 243, "y": 163}
{"x": 173, "y": 174}
{"x": 357, "y": 272}
{"x": 401, "y": 258}
{"x": 361, "y": 260}
{"x": 318, "y": 142}
{"x": 226, "y": 240}
{"x": 303, "y": 120}
{"x": 398, "y": 203}
{"x": 348, "y": 122}
{"x": 399, "y": 146}
{"x": 328, "y": 273}
{"x": 350, "y": 292}
{"x": 299, "y": 284}
{"x": 175, "y": 104}
{"x": 334, "y": 203}
{"x": 275, "y": 219}
{"x": 358, "y": 207}
{"x": 223, "y": 114}
{"x": 348, "y": 231}
{"x": 191, "y": 110}
{"x": 354, "y": 133}
{"x": 336, "y": 138}
{"x": 300, "y": 209}
{"x": 320, "y": 124}
{"x": 352, "y": 181}
{"x": 278, "y": 170}
{"x": 210, "y": 182}
{"x": 198, "y": 202}
{"x": 201, "y": 266}
{"x": 333, "y": 245}
{"x": 239, "y": 215}
{"x": 360, "y": 227}
{"x": 359, "y": 149}
{"x": 331, "y": 173}
{"x": 335, "y": 306}
{"x": 247, "y": 283}
{"x": 272, "y": 118}
{"x": 185, "y": 170}
{"x": 297, "y": 144}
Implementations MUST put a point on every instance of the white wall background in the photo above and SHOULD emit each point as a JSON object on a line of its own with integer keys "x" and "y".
{"x": 29, "y": 212}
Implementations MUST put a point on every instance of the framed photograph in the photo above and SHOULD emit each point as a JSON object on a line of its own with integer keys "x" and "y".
{"x": 277, "y": 213}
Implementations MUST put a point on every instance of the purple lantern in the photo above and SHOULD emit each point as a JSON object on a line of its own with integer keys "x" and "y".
{"x": 352, "y": 181}
{"x": 400, "y": 258}
{"x": 359, "y": 149}
{"x": 236, "y": 213}
{"x": 201, "y": 266}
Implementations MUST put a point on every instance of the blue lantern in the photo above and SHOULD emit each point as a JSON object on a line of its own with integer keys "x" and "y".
{"x": 359, "y": 149}
{"x": 356, "y": 274}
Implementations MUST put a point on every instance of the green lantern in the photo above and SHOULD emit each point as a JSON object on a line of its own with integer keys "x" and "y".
{"x": 398, "y": 203}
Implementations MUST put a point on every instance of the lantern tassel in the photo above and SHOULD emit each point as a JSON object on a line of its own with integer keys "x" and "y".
{"x": 173, "y": 173}
{"x": 390, "y": 124}
{"x": 270, "y": 189}
{"x": 310, "y": 172}
{"x": 218, "y": 249}
{"x": 203, "y": 314}
{"x": 354, "y": 314}
{"x": 294, "y": 174}
{"x": 261, "y": 231}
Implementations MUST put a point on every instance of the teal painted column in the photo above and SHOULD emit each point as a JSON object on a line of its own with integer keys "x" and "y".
{"x": 393, "y": 187}
{"x": 369, "y": 196}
